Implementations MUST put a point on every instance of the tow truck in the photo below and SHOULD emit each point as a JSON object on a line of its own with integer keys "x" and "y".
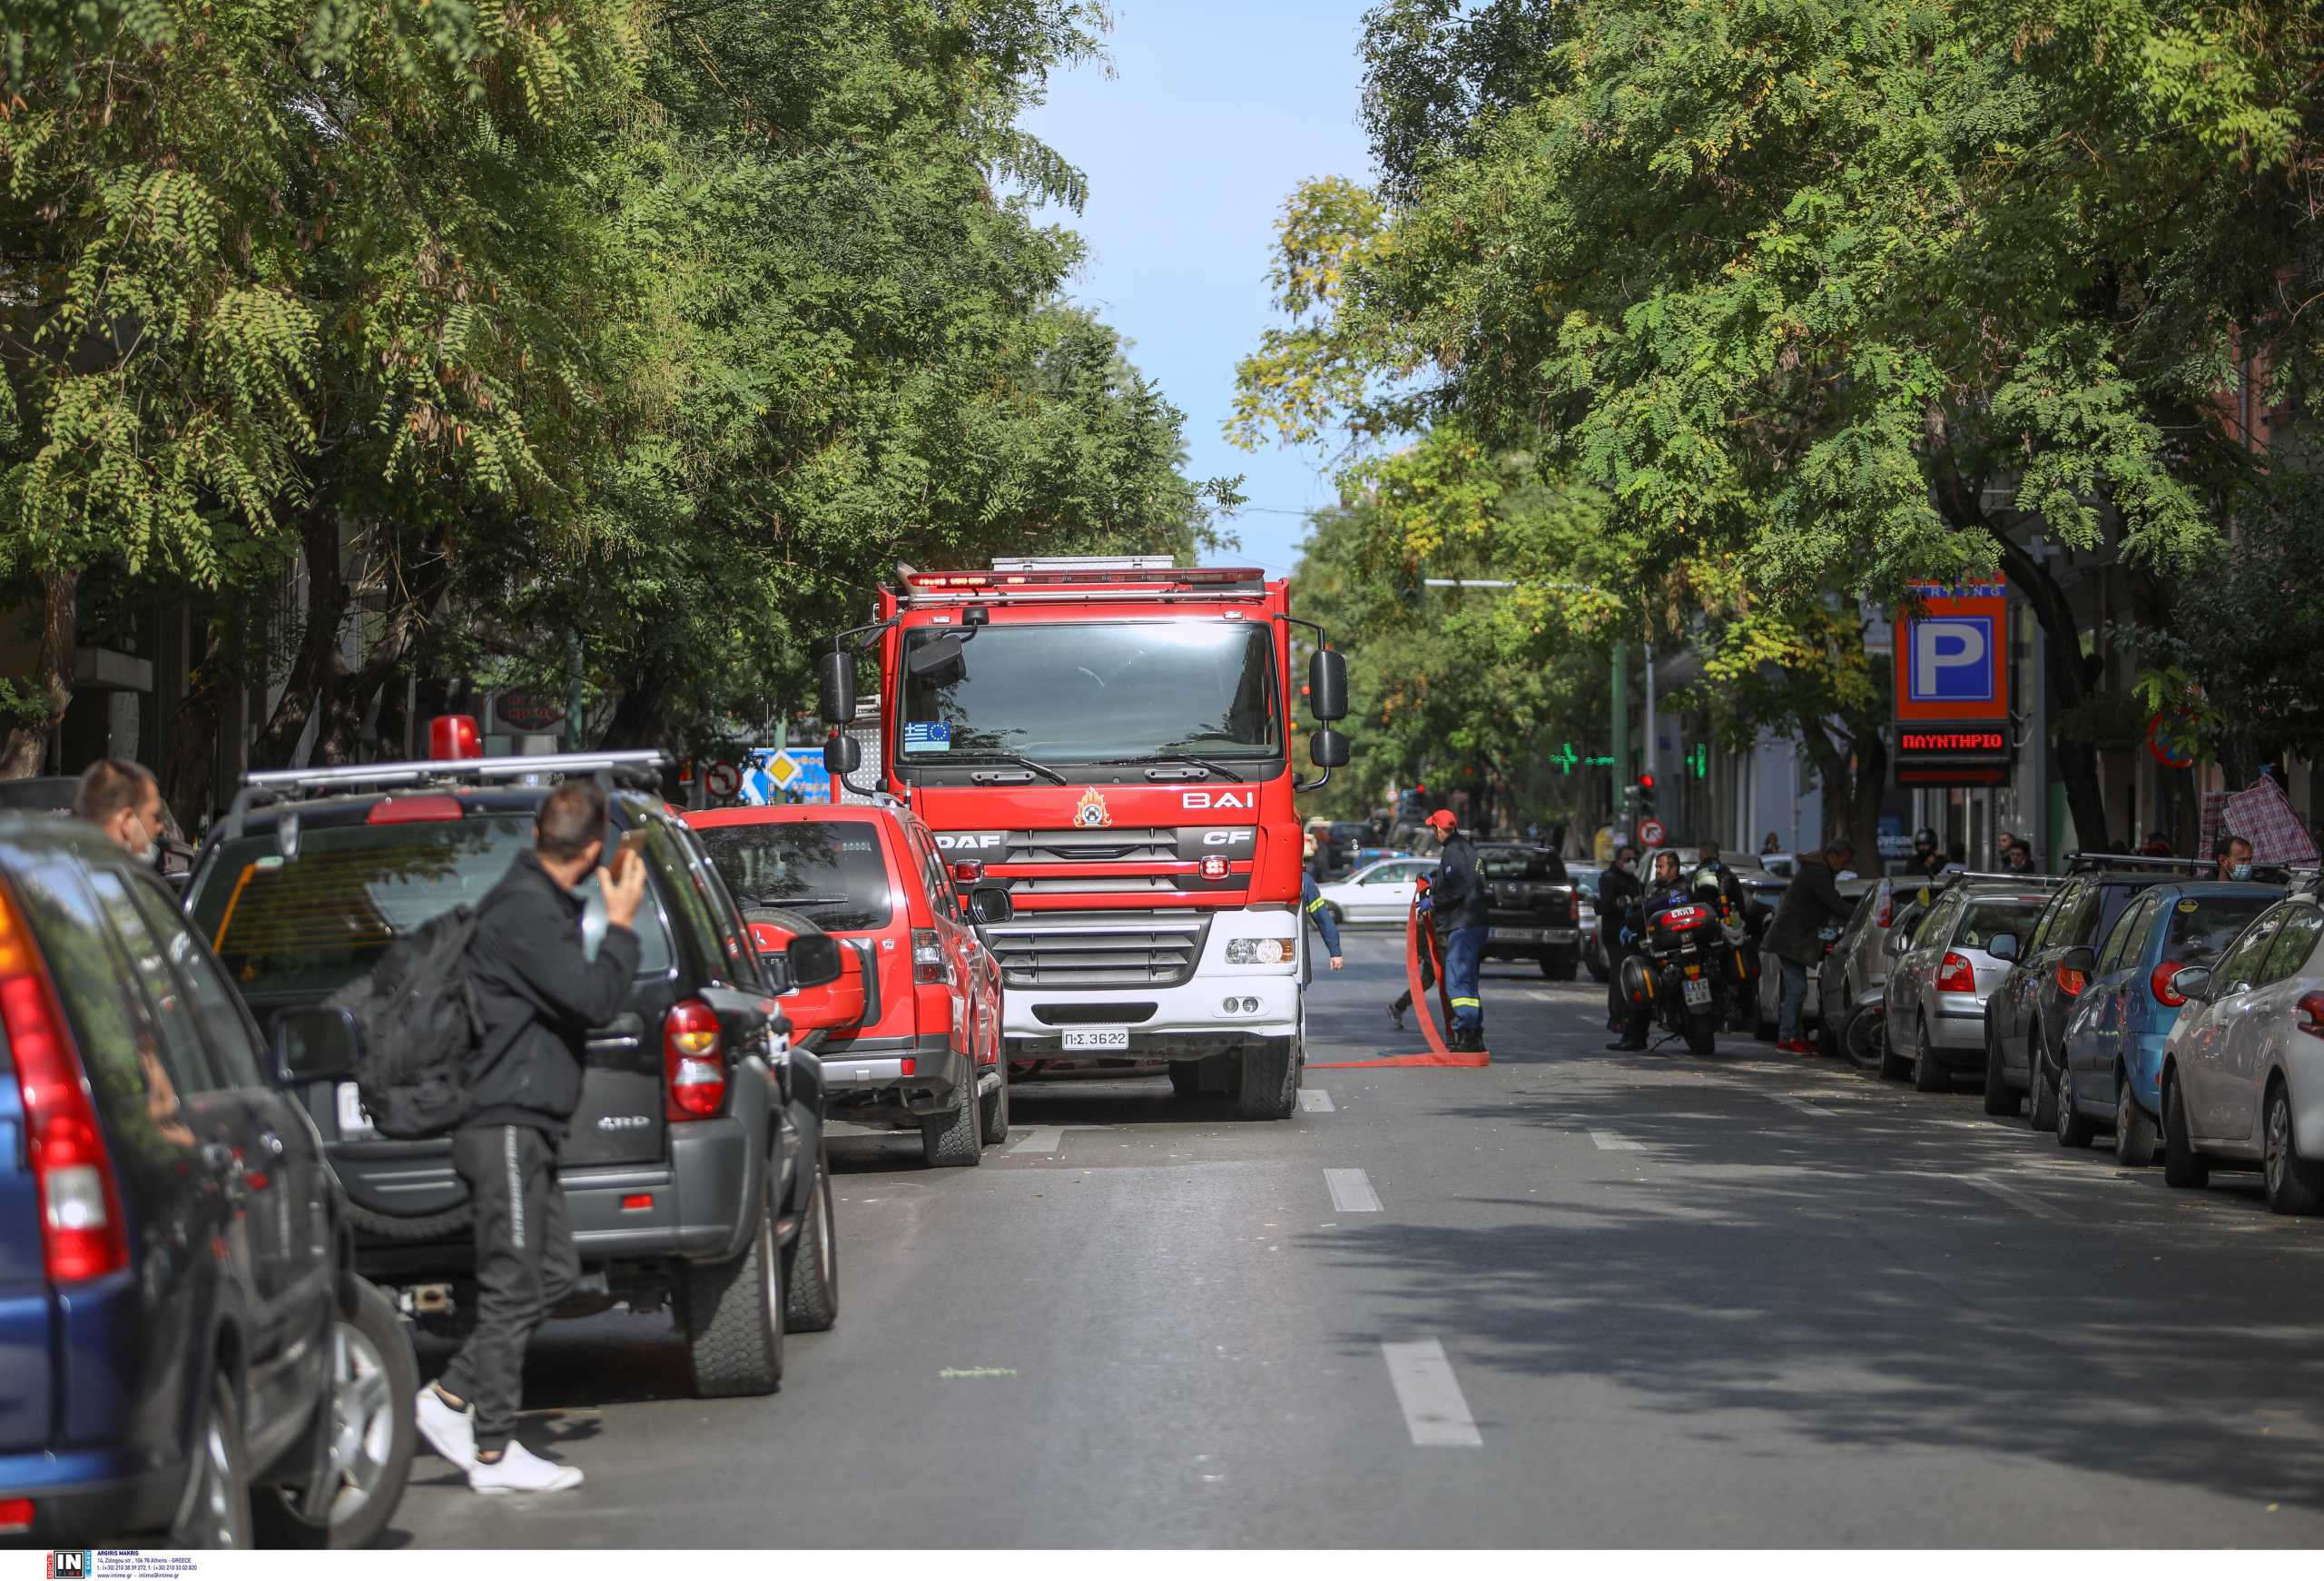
{"x": 1102, "y": 747}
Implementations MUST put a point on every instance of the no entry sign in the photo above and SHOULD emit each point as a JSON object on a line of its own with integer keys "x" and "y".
{"x": 1652, "y": 832}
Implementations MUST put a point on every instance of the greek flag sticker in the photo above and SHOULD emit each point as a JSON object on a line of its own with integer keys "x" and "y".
{"x": 935, "y": 736}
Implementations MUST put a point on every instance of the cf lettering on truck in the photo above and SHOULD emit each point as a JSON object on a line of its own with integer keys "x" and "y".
{"x": 1109, "y": 740}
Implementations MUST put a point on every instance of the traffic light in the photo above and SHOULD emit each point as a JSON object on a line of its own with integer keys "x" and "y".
{"x": 1646, "y": 795}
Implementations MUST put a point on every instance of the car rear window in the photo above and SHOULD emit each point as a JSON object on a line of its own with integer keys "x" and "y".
{"x": 832, "y": 872}
{"x": 1521, "y": 861}
{"x": 308, "y": 924}
{"x": 1983, "y": 918}
{"x": 2202, "y": 925}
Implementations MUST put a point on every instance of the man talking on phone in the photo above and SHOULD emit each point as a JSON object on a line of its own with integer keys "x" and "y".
{"x": 537, "y": 993}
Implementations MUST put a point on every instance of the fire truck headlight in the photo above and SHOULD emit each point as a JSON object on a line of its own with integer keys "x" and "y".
{"x": 1257, "y": 952}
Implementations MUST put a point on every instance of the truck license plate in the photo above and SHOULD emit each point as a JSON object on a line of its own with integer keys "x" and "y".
{"x": 1090, "y": 1038}
{"x": 1698, "y": 992}
{"x": 352, "y": 1121}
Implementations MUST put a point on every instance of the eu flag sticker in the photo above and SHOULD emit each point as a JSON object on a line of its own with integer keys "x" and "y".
{"x": 935, "y": 736}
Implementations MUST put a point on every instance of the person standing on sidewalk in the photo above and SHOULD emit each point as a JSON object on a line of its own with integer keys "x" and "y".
{"x": 537, "y": 993}
{"x": 1811, "y": 902}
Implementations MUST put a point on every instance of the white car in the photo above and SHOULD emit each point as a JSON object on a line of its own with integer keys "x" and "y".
{"x": 1382, "y": 893}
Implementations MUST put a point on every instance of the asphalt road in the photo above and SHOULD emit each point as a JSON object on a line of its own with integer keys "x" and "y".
{"x": 1576, "y": 1299}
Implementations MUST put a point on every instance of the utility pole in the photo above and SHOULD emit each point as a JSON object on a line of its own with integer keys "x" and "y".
{"x": 1619, "y": 705}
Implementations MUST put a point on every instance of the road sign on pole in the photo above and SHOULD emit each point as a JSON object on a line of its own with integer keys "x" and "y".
{"x": 722, "y": 780}
{"x": 1650, "y": 833}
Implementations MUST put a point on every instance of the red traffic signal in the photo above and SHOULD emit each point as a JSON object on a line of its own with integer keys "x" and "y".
{"x": 1646, "y": 781}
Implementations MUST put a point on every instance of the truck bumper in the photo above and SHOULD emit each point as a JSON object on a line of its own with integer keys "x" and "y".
{"x": 1220, "y": 1008}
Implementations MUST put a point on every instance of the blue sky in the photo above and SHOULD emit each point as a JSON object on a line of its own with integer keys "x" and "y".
{"x": 1213, "y": 114}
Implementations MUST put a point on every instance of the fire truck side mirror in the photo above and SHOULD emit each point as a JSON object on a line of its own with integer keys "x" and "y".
{"x": 835, "y": 686}
{"x": 1328, "y": 685}
{"x": 843, "y": 756}
{"x": 1328, "y": 748}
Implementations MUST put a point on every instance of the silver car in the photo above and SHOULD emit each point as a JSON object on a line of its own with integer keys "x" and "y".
{"x": 1769, "y": 894}
{"x": 1940, "y": 976}
{"x": 2243, "y": 1068}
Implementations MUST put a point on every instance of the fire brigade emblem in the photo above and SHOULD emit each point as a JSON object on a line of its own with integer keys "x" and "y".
{"x": 1091, "y": 812}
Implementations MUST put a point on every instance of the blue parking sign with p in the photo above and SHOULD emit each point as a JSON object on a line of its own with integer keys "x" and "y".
{"x": 1952, "y": 659}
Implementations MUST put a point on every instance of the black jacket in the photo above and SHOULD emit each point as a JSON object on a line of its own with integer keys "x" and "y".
{"x": 538, "y": 995}
{"x": 1616, "y": 891}
{"x": 1810, "y": 901}
{"x": 1460, "y": 899}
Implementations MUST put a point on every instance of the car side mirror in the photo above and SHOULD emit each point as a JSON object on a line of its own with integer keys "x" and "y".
{"x": 1328, "y": 685}
{"x": 2002, "y": 946}
{"x": 835, "y": 685}
{"x": 1328, "y": 748}
{"x": 314, "y": 1043}
{"x": 2081, "y": 958}
{"x": 1898, "y": 941}
{"x": 814, "y": 960}
{"x": 2192, "y": 982}
{"x": 990, "y": 903}
{"x": 842, "y": 755}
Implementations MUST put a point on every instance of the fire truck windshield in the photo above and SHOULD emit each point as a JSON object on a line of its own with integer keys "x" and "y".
{"x": 1089, "y": 692}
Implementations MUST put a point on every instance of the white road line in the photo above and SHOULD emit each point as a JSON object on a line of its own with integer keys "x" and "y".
{"x": 1351, "y": 1193}
{"x": 1314, "y": 1100}
{"x": 2013, "y": 1197}
{"x": 1038, "y": 1139}
{"x": 1805, "y": 1107}
{"x": 1615, "y": 1141}
{"x": 1435, "y": 1414}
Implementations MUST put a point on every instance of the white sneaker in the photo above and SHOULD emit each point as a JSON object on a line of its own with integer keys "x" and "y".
{"x": 519, "y": 1470}
{"x": 450, "y": 1433}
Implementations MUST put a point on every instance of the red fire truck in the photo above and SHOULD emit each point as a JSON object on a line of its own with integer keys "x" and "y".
{"x": 1103, "y": 749}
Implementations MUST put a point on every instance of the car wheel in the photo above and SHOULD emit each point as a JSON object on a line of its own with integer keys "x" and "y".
{"x": 1864, "y": 1040}
{"x": 2073, "y": 1129}
{"x": 373, "y": 1379}
{"x": 214, "y": 1511}
{"x": 1894, "y": 1066}
{"x": 2181, "y": 1165}
{"x": 1999, "y": 1097}
{"x": 811, "y": 1270}
{"x": 954, "y": 1139}
{"x": 2041, "y": 1092}
{"x": 2295, "y": 1184}
{"x": 995, "y": 1119}
{"x": 733, "y": 1318}
{"x": 1271, "y": 1071}
{"x": 2134, "y": 1135}
{"x": 1928, "y": 1076}
{"x": 1560, "y": 968}
{"x": 1597, "y": 965}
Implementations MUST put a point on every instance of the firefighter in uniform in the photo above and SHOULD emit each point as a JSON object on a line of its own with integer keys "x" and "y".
{"x": 1457, "y": 901}
{"x": 1319, "y": 913}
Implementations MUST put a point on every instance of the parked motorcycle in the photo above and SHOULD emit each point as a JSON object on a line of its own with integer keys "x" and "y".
{"x": 1679, "y": 971}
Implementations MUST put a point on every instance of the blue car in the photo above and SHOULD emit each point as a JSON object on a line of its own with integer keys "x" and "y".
{"x": 2114, "y": 1035}
{"x": 183, "y": 1352}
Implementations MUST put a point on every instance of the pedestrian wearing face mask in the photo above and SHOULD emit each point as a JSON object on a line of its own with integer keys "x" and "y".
{"x": 1617, "y": 886}
{"x": 2234, "y": 853}
{"x": 124, "y": 800}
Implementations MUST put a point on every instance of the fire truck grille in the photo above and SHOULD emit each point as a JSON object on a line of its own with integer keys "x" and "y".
{"x": 1118, "y": 949}
{"x": 1034, "y": 845}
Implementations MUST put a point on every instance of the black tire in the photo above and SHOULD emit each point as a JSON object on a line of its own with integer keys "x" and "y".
{"x": 1561, "y": 968}
{"x": 425, "y": 1227}
{"x": 2000, "y": 1098}
{"x": 954, "y": 1139}
{"x": 1596, "y": 967}
{"x": 2073, "y": 1129}
{"x": 1271, "y": 1079}
{"x": 1894, "y": 1066}
{"x": 1827, "y": 1035}
{"x": 2041, "y": 1092}
{"x": 2135, "y": 1133}
{"x": 1928, "y": 1076}
{"x": 214, "y": 1511}
{"x": 2181, "y": 1165}
{"x": 731, "y": 1318}
{"x": 1702, "y": 1035}
{"x": 1186, "y": 1078}
{"x": 995, "y": 1118}
{"x": 2295, "y": 1184}
{"x": 1864, "y": 1041}
{"x": 1762, "y": 1028}
{"x": 374, "y": 1377}
{"x": 810, "y": 1268}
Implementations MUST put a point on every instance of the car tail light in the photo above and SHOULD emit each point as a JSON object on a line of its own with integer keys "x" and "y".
{"x": 1887, "y": 909}
{"x": 2071, "y": 982}
{"x": 929, "y": 962}
{"x": 2310, "y": 1013}
{"x": 16, "y": 1515}
{"x": 693, "y": 1060}
{"x": 81, "y": 1235}
{"x": 2158, "y": 984}
{"x": 1955, "y": 974}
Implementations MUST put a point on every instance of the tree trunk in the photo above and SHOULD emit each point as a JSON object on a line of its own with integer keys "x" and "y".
{"x": 25, "y": 751}
{"x": 350, "y": 693}
{"x": 2072, "y": 678}
{"x": 193, "y": 731}
{"x": 317, "y": 660}
{"x": 637, "y": 717}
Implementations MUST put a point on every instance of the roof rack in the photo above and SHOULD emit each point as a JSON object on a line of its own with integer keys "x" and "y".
{"x": 643, "y": 764}
{"x": 2045, "y": 880}
{"x": 2087, "y": 861}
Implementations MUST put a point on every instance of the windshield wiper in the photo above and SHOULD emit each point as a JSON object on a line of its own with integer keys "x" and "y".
{"x": 991, "y": 756}
{"x": 1219, "y": 769}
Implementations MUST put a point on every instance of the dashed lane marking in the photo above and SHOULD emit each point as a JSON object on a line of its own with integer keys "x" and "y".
{"x": 1351, "y": 1193}
{"x": 1801, "y": 1104}
{"x": 1314, "y": 1100}
{"x": 1435, "y": 1413}
{"x": 1615, "y": 1141}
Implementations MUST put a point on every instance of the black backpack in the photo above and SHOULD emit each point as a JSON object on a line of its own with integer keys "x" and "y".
{"x": 420, "y": 1029}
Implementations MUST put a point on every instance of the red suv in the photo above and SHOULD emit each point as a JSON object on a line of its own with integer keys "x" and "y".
{"x": 927, "y": 1051}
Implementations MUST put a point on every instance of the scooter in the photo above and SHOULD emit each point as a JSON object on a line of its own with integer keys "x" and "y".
{"x": 1677, "y": 975}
